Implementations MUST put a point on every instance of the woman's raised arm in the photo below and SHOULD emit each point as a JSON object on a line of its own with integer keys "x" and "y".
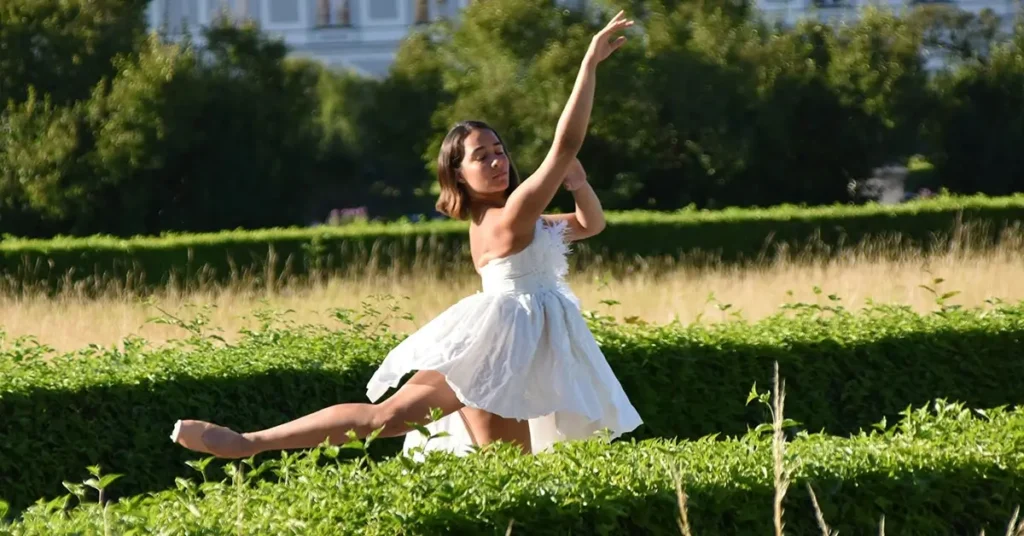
{"x": 528, "y": 201}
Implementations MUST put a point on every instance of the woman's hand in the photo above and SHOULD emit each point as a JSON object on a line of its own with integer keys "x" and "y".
{"x": 602, "y": 45}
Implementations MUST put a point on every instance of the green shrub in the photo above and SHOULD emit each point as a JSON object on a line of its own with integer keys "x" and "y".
{"x": 689, "y": 236}
{"x": 116, "y": 407}
{"x": 941, "y": 470}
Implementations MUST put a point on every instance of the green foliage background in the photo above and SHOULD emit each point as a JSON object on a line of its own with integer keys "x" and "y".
{"x": 107, "y": 130}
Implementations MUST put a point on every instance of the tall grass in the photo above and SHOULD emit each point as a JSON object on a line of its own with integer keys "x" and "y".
{"x": 652, "y": 290}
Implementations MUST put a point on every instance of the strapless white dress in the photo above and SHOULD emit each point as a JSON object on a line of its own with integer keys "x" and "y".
{"x": 519, "y": 348}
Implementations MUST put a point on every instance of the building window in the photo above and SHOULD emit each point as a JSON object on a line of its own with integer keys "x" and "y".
{"x": 383, "y": 9}
{"x": 283, "y": 11}
{"x": 283, "y": 14}
{"x": 377, "y": 12}
{"x": 232, "y": 9}
{"x": 333, "y": 13}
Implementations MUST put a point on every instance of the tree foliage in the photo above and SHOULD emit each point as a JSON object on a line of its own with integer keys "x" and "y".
{"x": 708, "y": 105}
{"x": 62, "y": 48}
{"x": 980, "y": 127}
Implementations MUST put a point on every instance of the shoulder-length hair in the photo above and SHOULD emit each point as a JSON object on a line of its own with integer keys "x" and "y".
{"x": 454, "y": 199}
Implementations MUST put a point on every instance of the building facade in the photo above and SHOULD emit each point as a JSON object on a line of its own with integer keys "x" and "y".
{"x": 364, "y": 35}
{"x": 791, "y": 11}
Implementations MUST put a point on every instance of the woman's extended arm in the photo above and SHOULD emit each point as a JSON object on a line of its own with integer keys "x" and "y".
{"x": 531, "y": 198}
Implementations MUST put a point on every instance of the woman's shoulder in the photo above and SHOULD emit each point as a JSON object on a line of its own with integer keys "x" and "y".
{"x": 491, "y": 236}
{"x": 494, "y": 225}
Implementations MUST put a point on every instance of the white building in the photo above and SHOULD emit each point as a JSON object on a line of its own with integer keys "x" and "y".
{"x": 365, "y": 34}
{"x": 359, "y": 34}
{"x": 790, "y": 11}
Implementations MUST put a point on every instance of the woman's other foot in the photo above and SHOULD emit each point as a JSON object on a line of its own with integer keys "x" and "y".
{"x": 212, "y": 439}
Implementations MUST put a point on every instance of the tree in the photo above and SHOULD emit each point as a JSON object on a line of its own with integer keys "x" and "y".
{"x": 980, "y": 127}
{"x": 700, "y": 81}
{"x": 63, "y": 48}
{"x": 47, "y": 171}
{"x": 397, "y": 127}
{"x": 834, "y": 104}
{"x": 494, "y": 66}
{"x": 208, "y": 140}
{"x": 513, "y": 65}
{"x": 954, "y": 34}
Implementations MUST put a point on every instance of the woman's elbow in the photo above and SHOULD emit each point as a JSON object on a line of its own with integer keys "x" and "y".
{"x": 594, "y": 229}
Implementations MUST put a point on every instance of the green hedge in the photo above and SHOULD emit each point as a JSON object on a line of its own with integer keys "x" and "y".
{"x": 942, "y": 470}
{"x": 845, "y": 372}
{"x": 732, "y": 236}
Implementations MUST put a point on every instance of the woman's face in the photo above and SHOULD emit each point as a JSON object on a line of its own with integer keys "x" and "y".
{"x": 484, "y": 168}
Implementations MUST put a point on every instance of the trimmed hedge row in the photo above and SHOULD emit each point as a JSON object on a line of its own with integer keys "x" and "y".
{"x": 116, "y": 408}
{"x": 941, "y": 470}
{"x": 731, "y": 236}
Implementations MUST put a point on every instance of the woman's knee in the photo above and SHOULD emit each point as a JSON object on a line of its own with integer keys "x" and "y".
{"x": 383, "y": 416}
{"x": 394, "y": 419}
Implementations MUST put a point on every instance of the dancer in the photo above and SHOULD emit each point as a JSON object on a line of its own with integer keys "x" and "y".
{"x": 515, "y": 362}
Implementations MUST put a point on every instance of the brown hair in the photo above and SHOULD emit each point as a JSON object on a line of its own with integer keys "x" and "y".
{"x": 454, "y": 199}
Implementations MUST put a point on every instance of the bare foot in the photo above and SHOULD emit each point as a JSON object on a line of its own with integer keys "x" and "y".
{"x": 209, "y": 438}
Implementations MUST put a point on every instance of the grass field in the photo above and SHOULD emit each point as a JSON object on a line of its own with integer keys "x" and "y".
{"x": 72, "y": 320}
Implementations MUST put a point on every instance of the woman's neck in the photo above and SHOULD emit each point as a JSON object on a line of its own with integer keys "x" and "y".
{"x": 479, "y": 205}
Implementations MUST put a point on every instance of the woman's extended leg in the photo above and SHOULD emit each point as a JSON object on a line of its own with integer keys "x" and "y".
{"x": 412, "y": 403}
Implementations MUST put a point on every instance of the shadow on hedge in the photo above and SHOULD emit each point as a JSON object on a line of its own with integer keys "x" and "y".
{"x": 681, "y": 389}
{"x": 962, "y": 499}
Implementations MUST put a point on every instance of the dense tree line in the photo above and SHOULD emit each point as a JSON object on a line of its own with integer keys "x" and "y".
{"x": 106, "y": 128}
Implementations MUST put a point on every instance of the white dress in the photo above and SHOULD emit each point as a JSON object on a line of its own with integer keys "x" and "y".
{"x": 520, "y": 349}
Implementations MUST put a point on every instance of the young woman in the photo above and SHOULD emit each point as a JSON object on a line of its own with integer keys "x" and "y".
{"x": 515, "y": 362}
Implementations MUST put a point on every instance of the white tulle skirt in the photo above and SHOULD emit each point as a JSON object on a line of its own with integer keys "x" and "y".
{"x": 521, "y": 355}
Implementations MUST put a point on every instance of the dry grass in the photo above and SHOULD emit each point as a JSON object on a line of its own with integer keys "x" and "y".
{"x": 781, "y": 472}
{"x": 71, "y": 320}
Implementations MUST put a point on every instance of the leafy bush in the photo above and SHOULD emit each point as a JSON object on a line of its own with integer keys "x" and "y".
{"x": 115, "y": 407}
{"x": 941, "y": 469}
